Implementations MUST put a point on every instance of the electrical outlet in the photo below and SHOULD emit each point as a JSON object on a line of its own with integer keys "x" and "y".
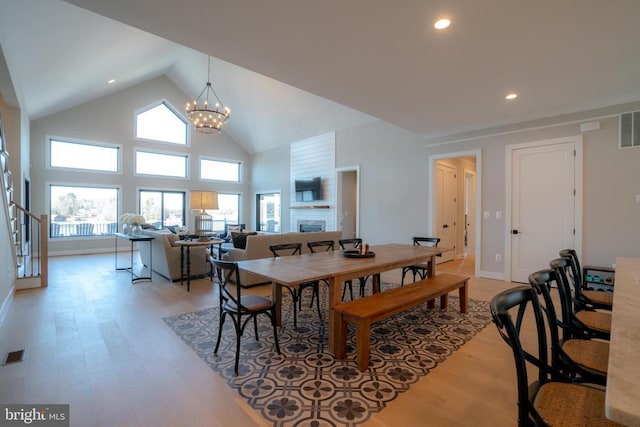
{"x": 498, "y": 257}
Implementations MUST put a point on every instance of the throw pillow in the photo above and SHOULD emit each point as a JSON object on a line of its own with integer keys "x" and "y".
{"x": 239, "y": 239}
{"x": 232, "y": 229}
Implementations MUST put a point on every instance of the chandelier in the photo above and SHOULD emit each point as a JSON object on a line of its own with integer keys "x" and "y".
{"x": 207, "y": 118}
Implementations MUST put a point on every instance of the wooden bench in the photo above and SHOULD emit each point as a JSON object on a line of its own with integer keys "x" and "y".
{"x": 365, "y": 311}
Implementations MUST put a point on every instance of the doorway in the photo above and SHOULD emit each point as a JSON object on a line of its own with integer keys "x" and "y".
{"x": 462, "y": 171}
{"x": 348, "y": 201}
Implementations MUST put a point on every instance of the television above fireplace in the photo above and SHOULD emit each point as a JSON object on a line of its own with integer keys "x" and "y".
{"x": 308, "y": 190}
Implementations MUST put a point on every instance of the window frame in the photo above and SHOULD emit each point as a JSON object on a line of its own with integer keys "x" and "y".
{"x": 119, "y": 195}
{"x": 257, "y": 211}
{"x": 117, "y": 147}
{"x": 186, "y": 156}
{"x": 171, "y": 108}
{"x": 239, "y": 219}
{"x": 185, "y": 210}
{"x": 240, "y": 164}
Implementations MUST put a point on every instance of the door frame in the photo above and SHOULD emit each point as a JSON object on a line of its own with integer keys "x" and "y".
{"x": 339, "y": 172}
{"x": 469, "y": 173}
{"x": 578, "y": 184}
{"x": 431, "y": 170}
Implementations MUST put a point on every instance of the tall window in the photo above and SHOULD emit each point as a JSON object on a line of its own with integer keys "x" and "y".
{"x": 268, "y": 212}
{"x": 161, "y": 123}
{"x": 228, "y": 210}
{"x": 80, "y": 155}
{"x": 220, "y": 170}
{"x": 82, "y": 211}
{"x": 172, "y": 165}
{"x": 163, "y": 208}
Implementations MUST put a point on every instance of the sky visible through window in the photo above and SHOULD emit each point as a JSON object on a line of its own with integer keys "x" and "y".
{"x": 84, "y": 156}
{"x": 219, "y": 170}
{"x": 160, "y": 123}
{"x": 161, "y": 164}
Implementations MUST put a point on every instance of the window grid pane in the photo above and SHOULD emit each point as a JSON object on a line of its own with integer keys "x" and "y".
{"x": 219, "y": 170}
{"x": 82, "y": 211}
{"x": 160, "y": 123}
{"x": 163, "y": 208}
{"x": 84, "y": 156}
{"x": 268, "y": 212}
{"x": 228, "y": 210}
{"x": 161, "y": 164}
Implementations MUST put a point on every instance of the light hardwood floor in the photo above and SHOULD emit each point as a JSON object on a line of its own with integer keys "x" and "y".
{"x": 96, "y": 341}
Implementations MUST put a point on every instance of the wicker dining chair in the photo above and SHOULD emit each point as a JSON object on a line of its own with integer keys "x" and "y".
{"x": 549, "y": 400}
{"x": 296, "y": 293}
{"x": 579, "y": 358}
{"x": 240, "y": 308}
{"x": 585, "y": 299}
{"x": 588, "y": 323}
{"x": 420, "y": 270}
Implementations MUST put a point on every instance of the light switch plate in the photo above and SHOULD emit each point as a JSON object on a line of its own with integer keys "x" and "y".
{"x": 487, "y": 215}
{"x": 498, "y": 214}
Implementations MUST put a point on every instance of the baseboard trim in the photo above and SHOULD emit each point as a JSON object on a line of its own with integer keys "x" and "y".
{"x": 90, "y": 251}
{"x": 491, "y": 275}
{"x": 6, "y": 304}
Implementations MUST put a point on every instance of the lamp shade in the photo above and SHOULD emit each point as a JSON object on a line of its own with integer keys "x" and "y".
{"x": 203, "y": 200}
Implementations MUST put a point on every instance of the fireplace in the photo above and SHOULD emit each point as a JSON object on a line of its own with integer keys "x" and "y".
{"x": 308, "y": 226}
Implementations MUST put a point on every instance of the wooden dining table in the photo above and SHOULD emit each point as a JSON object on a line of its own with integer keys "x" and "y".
{"x": 333, "y": 266}
{"x": 622, "y": 402}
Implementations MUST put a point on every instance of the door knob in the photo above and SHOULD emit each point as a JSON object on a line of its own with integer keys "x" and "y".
{"x": 515, "y": 232}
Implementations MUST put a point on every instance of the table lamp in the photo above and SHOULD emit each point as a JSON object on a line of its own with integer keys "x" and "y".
{"x": 202, "y": 200}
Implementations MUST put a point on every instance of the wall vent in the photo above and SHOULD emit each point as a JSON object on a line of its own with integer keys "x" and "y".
{"x": 14, "y": 356}
{"x": 629, "y": 130}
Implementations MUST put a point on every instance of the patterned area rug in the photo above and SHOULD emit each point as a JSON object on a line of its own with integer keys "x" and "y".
{"x": 306, "y": 385}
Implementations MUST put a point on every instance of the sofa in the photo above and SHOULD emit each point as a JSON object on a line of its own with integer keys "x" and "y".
{"x": 166, "y": 255}
{"x": 257, "y": 246}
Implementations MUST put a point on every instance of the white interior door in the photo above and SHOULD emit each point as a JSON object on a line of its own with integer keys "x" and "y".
{"x": 543, "y": 208}
{"x": 445, "y": 209}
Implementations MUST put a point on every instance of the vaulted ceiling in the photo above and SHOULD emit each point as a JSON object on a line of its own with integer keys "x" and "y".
{"x": 291, "y": 69}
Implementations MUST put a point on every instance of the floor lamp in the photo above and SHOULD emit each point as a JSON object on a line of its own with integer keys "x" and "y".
{"x": 204, "y": 200}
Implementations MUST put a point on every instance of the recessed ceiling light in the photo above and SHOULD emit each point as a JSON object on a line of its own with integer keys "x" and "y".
{"x": 511, "y": 96}
{"x": 111, "y": 81}
{"x": 441, "y": 24}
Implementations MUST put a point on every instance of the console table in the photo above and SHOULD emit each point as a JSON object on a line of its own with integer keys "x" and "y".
{"x": 132, "y": 239}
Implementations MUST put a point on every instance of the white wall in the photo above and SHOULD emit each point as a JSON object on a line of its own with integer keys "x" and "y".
{"x": 11, "y": 126}
{"x": 270, "y": 172}
{"x": 111, "y": 119}
{"x": 611, "y": 181}
{"x": 394, "y": 182}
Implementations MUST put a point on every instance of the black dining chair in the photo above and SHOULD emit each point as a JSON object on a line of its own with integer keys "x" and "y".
{"x": 295, "y": 249}
{"x": 352, "y": 244}
{"x": 552, "y": 399}
{"x": 584, "y": 323}
{"x": 420, "y": 270}
{"x": 240, "y": 308}
{"x": 585, "y": 299}
{"x": 579, "y": 358}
